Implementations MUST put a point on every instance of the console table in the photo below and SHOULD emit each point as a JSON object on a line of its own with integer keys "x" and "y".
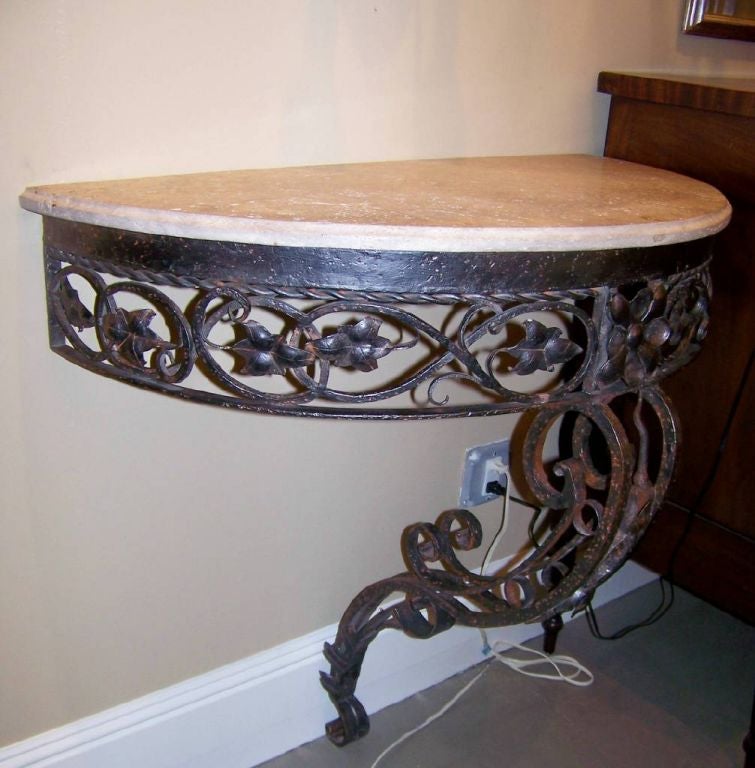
{"x": 565, "y": 286}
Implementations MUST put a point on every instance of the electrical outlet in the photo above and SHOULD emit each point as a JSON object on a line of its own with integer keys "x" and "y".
{"x": 483, "y": 464}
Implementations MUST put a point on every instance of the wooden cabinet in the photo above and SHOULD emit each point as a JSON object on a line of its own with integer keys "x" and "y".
{"x": 705, "y": 128}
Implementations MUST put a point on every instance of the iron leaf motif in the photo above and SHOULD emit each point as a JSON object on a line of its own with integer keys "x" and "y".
{"x": 354, "y": 345}
{"x": 78, "y": 315}
{"x": 541, "y": 349}
{"x": 639, "y": 333}
{"x": 130, "y": 337}
{"x": 264, "y": 353}
{"x": 688, "y": 314}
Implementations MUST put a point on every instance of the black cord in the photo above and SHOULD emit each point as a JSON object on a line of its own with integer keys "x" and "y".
{"x": 526, "y": 503}
{"x": 533, "y": 524}
{"x": 533, "y": 521}
{"x": 668, "y": 576}
{"x": 592, "y": 622}
{"x": 692, "y": 511}
{"x": 656, "y": 615}
{"x": 494, "y": 486}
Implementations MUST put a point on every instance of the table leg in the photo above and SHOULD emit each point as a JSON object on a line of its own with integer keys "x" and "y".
{"x": 606, "y": 491}
{"x": 552, "y": 627}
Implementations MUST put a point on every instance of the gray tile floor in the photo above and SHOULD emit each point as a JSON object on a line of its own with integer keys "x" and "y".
{"x": 673, "y": 695}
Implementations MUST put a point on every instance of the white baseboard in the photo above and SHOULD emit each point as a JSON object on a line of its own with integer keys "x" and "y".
{"x": 245, "y": 713}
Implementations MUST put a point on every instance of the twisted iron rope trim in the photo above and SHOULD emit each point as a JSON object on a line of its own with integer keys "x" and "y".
{"x": 334, "y": 294}
{"x": 176, "y": 281}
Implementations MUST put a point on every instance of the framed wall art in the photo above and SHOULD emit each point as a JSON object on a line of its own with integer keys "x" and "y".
{"x": 734, "y": 19}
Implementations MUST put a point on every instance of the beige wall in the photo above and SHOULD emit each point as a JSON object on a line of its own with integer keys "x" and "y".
{"x": 144, "y": 540}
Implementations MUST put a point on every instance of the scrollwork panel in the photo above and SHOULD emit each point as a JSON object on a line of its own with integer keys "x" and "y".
{"x": 601, "y": 494}
{"x": 267, "y": 353}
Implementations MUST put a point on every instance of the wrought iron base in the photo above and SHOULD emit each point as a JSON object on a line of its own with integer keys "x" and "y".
{"x": 263, "y": 328}
{"x": 601, "y": 496}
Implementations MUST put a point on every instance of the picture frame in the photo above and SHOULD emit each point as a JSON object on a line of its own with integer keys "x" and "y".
{"x": 731, "y": 19}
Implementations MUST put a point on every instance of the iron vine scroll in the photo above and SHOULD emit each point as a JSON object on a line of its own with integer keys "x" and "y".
{"x": 601, "y": 497}
{"x": 353, "y": 356}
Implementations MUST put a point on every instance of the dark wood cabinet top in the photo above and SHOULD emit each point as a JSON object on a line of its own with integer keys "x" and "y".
{"x": 703, "y": 127}
{"x": 730, "y": 95}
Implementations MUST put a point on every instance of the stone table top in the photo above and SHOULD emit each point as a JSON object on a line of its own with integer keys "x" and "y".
{"x": 536, "y": 203}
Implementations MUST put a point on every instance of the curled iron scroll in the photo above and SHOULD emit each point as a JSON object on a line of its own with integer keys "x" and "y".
{"x": 601, "y": 494}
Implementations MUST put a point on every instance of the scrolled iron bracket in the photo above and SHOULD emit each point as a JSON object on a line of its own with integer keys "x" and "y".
{"x": 600, "y": 515}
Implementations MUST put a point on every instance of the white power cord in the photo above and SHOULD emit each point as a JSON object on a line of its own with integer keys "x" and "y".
{"x": 442, "y": 711}
{"x": 579, "y": 676}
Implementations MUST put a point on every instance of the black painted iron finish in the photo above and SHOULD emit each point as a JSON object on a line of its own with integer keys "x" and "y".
{"x": 600, "y": 513}
{"x": 633, "y": 317}
{"x": 233, "y": 283}
{"x": 205, "y": 263}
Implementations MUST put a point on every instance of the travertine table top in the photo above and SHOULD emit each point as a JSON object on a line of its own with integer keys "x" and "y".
{"x": 537, "y": 203}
